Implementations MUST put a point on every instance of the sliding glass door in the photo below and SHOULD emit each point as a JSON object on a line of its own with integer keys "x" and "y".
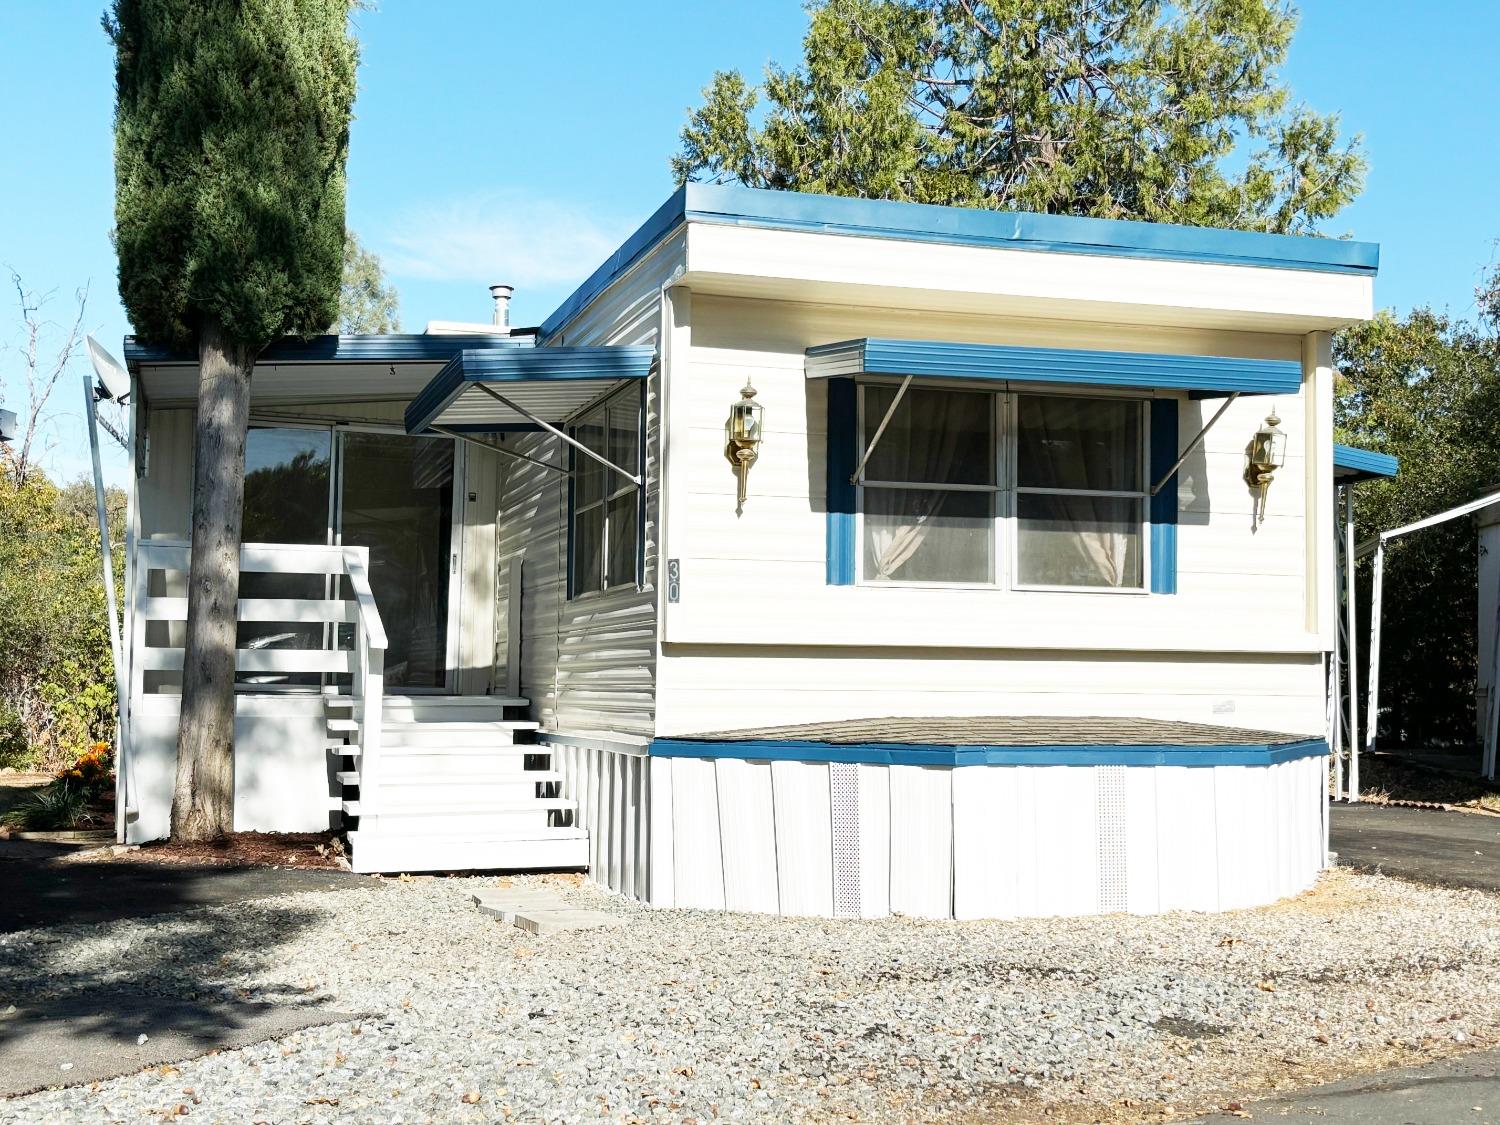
{"x": 397, "y": 498}
{"x": 364, "y": 488}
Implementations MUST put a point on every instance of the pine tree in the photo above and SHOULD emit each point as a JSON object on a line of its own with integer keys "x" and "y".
{"x": 1120, "y": 109}
{"x": 231, "y": 136}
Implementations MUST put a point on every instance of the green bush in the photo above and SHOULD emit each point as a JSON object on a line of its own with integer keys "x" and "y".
{"x": 15, "y": 751}
{"x": 57, "y": 692}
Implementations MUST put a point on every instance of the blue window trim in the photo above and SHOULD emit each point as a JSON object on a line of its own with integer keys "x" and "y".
{"x": 841, "y": 494}
{"x": 1003, "y": 363}
{"x": 1164, "y": 453}
{"x": 919, "y": 754}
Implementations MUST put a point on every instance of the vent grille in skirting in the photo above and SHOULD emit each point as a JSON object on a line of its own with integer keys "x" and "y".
{"x": 843, "y": 783}
{"x": 1110, "y": 811}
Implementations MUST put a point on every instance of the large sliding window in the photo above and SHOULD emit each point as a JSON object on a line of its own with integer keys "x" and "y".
{"x": 604, "y": 531}
{"x": 973, "y": 487}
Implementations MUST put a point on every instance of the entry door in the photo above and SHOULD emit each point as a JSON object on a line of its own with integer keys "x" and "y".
{"x": 397, "y": 498}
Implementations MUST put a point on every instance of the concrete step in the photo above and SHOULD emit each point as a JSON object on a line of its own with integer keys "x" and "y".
{"x": 549, "y": 849}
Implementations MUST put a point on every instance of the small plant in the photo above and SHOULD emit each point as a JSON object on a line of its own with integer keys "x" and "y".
{"x": 75, "y": 798}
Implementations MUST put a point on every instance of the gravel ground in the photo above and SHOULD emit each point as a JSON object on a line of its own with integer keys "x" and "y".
{"x": 684, "y": 1015}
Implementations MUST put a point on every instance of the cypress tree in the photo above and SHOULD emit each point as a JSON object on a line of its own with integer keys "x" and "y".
{"x": 231, "y": 136}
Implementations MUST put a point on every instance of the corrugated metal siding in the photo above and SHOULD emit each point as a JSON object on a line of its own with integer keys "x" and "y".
{"x": 588, "y": 664}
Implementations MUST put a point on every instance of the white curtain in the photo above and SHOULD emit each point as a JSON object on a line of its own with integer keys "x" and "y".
{"x": 1075, "y": 455}
{"x": 921, "y": 453}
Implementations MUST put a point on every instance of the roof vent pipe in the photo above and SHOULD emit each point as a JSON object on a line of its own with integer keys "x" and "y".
{"x": 502, "y": 293}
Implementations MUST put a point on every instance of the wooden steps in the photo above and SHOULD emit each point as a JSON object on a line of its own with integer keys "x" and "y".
{"x": 457, "y": 787}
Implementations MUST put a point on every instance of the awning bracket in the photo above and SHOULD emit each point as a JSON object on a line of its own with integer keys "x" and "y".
{"x": 1194, "y": 444}
{"x": 500, "y": 449}
{"x": 634, "y": 478}
{"x": 858, "y": 476}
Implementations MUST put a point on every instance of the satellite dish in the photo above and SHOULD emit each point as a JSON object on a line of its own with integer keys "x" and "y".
{"x": 114, "y": 380}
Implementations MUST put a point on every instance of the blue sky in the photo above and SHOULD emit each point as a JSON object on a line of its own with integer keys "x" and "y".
{"x": 521, "y": 143}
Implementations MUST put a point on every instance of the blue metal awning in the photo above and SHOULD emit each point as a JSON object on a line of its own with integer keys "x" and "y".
{"x": 500, "y": 390}
{"x": 1352, "y": 464}
{"x": 1202, "y": 375}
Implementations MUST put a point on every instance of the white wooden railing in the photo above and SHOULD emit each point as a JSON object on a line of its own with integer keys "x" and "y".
{"x": 159, "y": 614}
{"x": 369, "y": 677}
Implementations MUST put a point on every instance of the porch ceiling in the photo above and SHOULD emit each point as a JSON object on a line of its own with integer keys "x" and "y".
{"x": 551, "y": 384}
{"x": 325, "y": 369}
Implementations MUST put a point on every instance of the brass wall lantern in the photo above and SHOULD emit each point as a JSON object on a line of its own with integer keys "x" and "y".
{"x": 742, "y": 438}
{"x": 1267, "y": 454}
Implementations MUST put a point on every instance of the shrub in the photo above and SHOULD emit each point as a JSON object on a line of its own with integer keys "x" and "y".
{"x": 56, "y": 680}
{"x": 15, "y": 751}
{"x": 76, "y": 798}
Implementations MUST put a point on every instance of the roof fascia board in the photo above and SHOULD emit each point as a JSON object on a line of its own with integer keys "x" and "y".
{"x": 1351, "y": 463}
{"x": 732, "y": 205}
{"x": 371, "y": 348}
{"x": 1059, "y": 234}
{"x": 898, "y": 754}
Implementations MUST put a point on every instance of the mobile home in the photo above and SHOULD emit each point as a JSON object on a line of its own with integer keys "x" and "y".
{"x": 818, "y": 555}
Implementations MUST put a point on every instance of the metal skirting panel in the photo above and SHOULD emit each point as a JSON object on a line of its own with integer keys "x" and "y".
{"x": 857, "y": 840}
{"x": 1109, "y": 803}
{"x": 843, "y": 783}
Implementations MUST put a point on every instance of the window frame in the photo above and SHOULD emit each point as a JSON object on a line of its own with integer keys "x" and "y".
{"x": 1005, "y": 529}
{"x": 601, "y": 407}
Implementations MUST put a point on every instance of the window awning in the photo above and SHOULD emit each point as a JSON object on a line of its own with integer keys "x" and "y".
{"x": 1352, "y": 464}
{"x": 521, "y": 389}
{"x": 1204, "y": 376}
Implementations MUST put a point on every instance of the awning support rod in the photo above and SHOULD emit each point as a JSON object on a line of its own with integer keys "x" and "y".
{"x": 858, "y": 476}
{"x": 446, "y": 432}
{"x": 1194, "y": 444}
{"x": 1431, "y": 521}
{"x": 633, "y": 478}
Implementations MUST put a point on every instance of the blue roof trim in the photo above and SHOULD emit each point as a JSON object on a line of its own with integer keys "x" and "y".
{"x": 1060, "y": 365}
{"x": 523, "y": 365}
{"x": 967, "y": 226}
{"x": 907, "y": 754}
{"x": 663, "y": 221}
{"x": 1362, "y": 464}
{"x": 390, "y": 348}
{"x": 1017, "y": 230}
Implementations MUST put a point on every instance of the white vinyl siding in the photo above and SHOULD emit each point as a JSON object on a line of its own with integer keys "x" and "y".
{"x": 587, "y": 664}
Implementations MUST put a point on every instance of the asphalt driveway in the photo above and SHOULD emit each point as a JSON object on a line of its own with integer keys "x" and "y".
{"x": 38, "y": 889}
{"x": 1447, "y": 849}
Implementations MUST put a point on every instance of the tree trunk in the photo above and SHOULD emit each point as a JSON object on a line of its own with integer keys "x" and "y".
{"x": 203, "y": 799}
